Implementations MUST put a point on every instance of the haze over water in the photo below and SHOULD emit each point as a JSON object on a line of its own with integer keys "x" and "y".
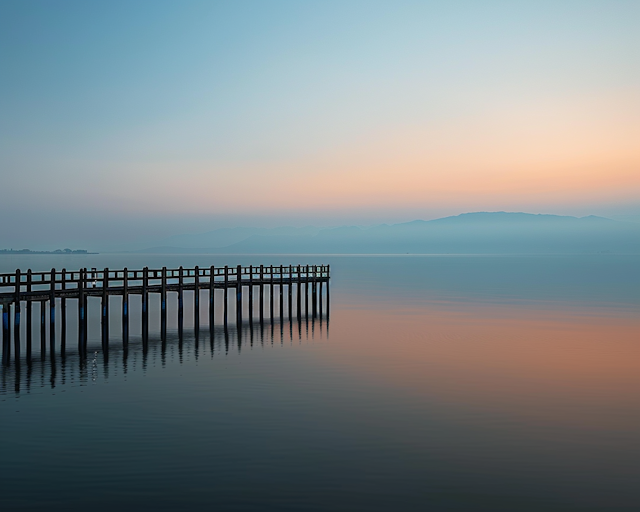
{"x": 456, "y": 383}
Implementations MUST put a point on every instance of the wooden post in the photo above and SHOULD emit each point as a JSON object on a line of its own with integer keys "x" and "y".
{"x": 86, "y": 313}
{"x": 298, "y": 298}
{"x": 81, "y": 333}
{"x": 290, "y": 290}
{"x": 239, "y": 295}
{"x": 212, "y": 272}
{"x": 271, "y": 293}
{"x": 145, "y": 304}
{"x": 196, "y": 300}
{"x": 52, "y": 313}
{"x": 163, "y": 304}
{"x": 314, "y": 297}
{"x": 306, "y": 292}
{"x": 320, "y": 298}
{"x": 29, "y": 315}
{"x": 261, "y": 293}
{"x": 125, "y": 307}
{"x": 180, "y": 300}
{"x": 105, "y": 309}
{"x": 16, "y": 317}
{"x": 251, "y": 294}
{"x": 63, "y": 314}
{"x": 328, "y": 295}
{"x": 281, "y": 294}
{"x": 226, "y": 298}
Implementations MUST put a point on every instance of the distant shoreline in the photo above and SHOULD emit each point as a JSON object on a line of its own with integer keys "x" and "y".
{"x": 56, "y": 252}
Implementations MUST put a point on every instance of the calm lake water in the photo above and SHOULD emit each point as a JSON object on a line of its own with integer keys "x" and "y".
{"x": 438, "y": 383}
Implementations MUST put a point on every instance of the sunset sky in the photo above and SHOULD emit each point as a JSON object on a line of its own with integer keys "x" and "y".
{"x": 143, "y": 119}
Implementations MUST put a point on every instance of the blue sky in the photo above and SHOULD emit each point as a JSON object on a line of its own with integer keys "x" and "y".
{"x": 139, "y": 119}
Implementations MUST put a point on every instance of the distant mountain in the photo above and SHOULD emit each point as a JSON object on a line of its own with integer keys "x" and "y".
{"x": 469, "y": 233}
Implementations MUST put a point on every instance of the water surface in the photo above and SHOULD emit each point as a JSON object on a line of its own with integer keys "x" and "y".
{"x": 437, "y": 383}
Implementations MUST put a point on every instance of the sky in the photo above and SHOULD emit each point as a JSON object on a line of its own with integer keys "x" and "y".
{"x": 124, "y": 121}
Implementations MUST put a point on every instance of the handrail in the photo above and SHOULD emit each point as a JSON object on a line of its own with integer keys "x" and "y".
{"x": 28, "y": 283}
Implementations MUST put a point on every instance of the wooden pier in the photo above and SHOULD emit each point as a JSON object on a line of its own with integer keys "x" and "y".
{"x": 54, "y": 288}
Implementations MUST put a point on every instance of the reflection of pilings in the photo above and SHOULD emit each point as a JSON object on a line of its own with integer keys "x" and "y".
{"x": 16, "y": 383}
{"x": 43, "y": 328}
{"x": 163, "y": 349}
{"x": 261, "y": 333}
{"x": 291, "y": 328}
{"x": 6, "y": 334}
{"x": 328, "y": 309}
{"x": 52, "y": 377}
{"x": 251, "y": 330}
{"x": 57, "y": 373}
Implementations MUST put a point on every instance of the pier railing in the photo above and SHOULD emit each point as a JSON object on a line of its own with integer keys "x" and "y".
{"x": 68, "y": 283}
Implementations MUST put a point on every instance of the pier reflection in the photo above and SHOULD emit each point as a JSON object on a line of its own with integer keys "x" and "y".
{"x": 80, "y": 368}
